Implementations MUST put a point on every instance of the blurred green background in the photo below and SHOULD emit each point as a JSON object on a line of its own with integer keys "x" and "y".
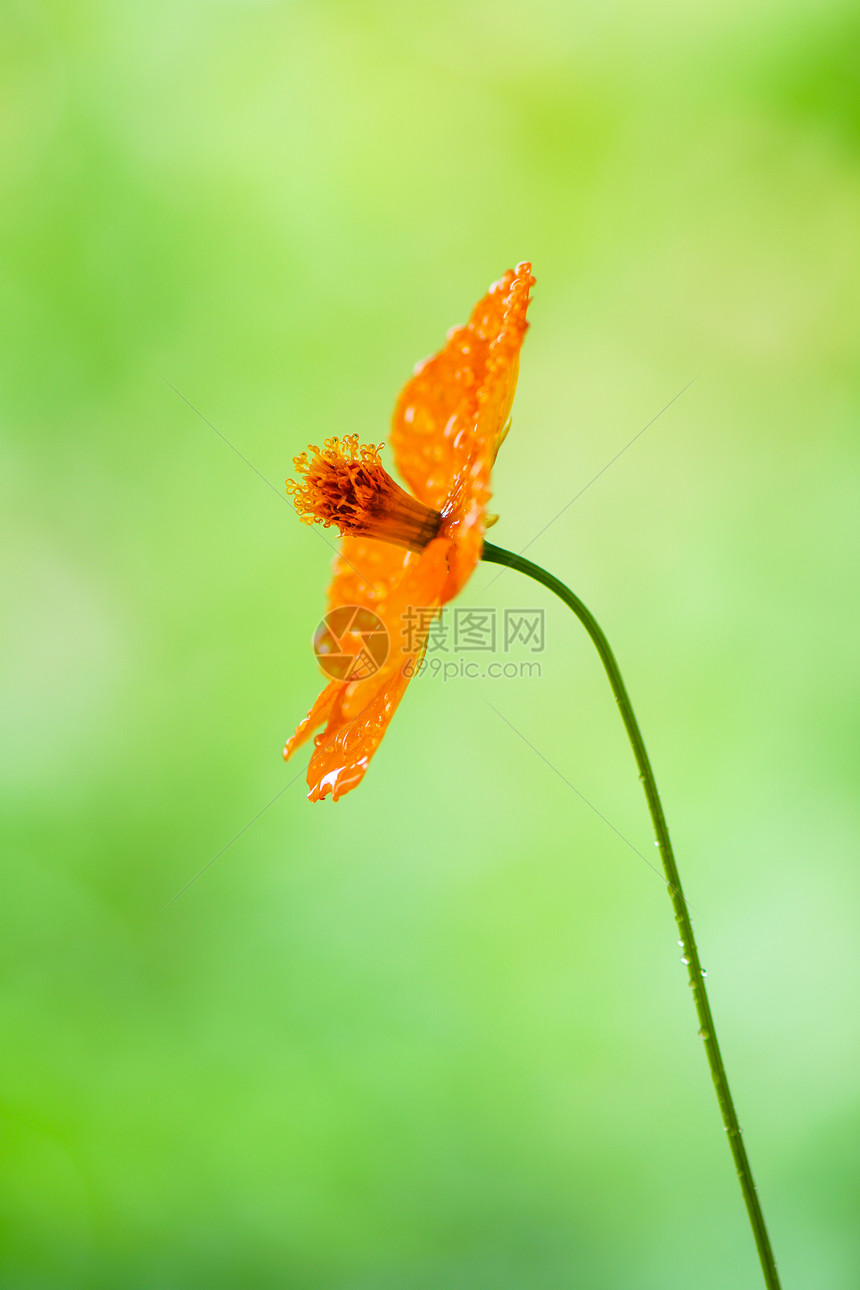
{"x": 437, "y": 1034}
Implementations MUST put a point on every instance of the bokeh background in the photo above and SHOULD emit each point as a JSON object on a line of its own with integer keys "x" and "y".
{"x": 437, "y": 1034}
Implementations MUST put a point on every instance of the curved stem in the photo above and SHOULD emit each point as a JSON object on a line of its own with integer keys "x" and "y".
{"x": 496, "y": 555}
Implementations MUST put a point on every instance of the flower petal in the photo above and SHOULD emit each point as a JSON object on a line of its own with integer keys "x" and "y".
{"x": 366, "y": 571}
{"x": 451, "y": 416}
{"x": 324, "y": 709}
{"x": 358, "y": 713}
{"x": 341, "y": 757}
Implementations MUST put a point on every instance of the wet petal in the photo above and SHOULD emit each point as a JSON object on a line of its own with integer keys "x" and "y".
{"x": 366, "y": 571}
{"x": 323, "y": 710}
{"x": 361, "y": 712}
{"x": 452, "y": 414}
{"x": 342, "y": 756}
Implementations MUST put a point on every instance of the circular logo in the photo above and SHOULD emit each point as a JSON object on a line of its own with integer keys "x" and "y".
{"x": 351, "y": 643}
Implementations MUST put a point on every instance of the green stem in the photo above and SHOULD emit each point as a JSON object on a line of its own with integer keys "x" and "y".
{"x": 496, "y": 555}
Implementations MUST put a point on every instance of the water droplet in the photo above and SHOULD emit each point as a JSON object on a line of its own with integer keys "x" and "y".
{"x": 704, "y": 971}
{"x": 684, "y": 960}
{"x": 681, "y": 943}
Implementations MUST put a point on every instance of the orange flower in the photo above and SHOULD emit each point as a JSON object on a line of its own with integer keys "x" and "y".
{"x": 405, "y": 555}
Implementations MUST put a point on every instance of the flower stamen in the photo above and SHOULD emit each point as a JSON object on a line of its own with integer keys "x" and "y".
{"x": 345, "y": 484}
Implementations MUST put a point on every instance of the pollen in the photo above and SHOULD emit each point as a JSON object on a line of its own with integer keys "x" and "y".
{"x": 345, "y": 484}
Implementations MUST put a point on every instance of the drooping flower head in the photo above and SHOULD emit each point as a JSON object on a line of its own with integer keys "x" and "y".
{"x": 403, "y": 552}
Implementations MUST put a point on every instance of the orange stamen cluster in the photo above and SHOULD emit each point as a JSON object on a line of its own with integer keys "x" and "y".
{"x": 345, "y": 484}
